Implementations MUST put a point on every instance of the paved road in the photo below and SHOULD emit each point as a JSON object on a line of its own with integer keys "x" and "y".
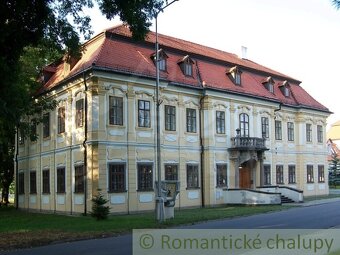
{"x": 312, "y": 216}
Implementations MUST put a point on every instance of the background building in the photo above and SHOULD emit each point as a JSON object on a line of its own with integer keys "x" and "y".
{"x": 226, "y": 123}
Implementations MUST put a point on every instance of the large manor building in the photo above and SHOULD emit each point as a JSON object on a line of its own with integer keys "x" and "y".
{"x": 226, "y": 123}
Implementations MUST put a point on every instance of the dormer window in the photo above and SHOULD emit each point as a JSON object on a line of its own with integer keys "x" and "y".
{"x": 186, "y": 65}
{"x": 284, "y": 87}
{"x": 162, "y": 57}
{"x": 235, "y": 74}
{"x": 269, "y": 84}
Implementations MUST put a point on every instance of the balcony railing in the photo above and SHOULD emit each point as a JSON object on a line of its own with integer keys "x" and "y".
{"x": 248, "y": 143}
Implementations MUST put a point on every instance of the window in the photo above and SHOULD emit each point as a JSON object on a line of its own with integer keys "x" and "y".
{"x": 278, "y": 130}
{"x": 162, "y": 57}
{"x": 269, "y": 84}
{"x": 279, "y": 174}
{"x": 237, "y": 78}
{"x": 33, "y": 182}
{"x": 171, "y": 173}
{"x": 191, "y": 120}
{"x": 310, "y": 175}
{"x": 46, "y": 125}
{"x": 46, "y": 181}
{"x": 290, "y": 129}
{"x": 115, "y": 110}
{"x": 117, "y": 178}
{"x": 188, "y": 69}
{"x": 308, "y": 132}
{"x": 265, "y": 127}
{"x": 21, "y": 182}
{"x": 162, "y": 64}
{"x": 61, "y": 180}
{"x": 21, "y": 138}
{"x": 291, "y": 174}
{"x": 220, "y": 122}
{"x": 186, "y": 65}
{"x": 321, "y": 173}
{"x": 286, "y": 91}
{"x": 244, "y": 124}
{"x": 267, "y": 175}
{"x": 144, "y": 113}
{"x": 170, "y": 118}
{"x": 320, "y": 134}
{"x": 221, "y": 175}
{"x": 79, "y": 184}
{"x": 33, "y": 134}
{"x": 79, "y": 113}
{"x": 192, "y": 176}
{"x": 145, "y": 178}
{"x": 61, "y": 120}
{"x": 234, "y": 74}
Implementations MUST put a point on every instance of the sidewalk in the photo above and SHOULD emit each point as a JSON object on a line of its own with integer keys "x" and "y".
{"x": 319, "y": 201}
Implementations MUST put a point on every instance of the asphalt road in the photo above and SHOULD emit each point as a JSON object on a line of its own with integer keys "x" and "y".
{"x": 318, "y": 216}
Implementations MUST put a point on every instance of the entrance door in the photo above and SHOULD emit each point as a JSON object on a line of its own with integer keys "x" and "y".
{"x": 245, "y": 178}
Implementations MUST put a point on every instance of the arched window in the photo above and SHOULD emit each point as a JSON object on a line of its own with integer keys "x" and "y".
{"x": 244, "y": 124}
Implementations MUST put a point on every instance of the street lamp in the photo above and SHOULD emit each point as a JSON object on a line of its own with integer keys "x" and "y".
{"x": 159, "y": 199}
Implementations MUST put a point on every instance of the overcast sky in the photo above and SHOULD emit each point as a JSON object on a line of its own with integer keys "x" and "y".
{"x": 300, "y": 38}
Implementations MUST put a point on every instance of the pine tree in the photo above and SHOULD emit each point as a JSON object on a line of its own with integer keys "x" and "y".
{"x": 99, "y": 210}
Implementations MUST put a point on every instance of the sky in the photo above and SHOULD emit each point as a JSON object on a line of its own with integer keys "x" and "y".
{"x": 299, "y": 38}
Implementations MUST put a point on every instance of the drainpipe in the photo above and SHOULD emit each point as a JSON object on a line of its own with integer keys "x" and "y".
{"x": 85, "y": 147}
{"x": 202, "y": 147}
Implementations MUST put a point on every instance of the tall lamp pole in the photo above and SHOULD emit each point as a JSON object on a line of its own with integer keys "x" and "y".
{"x": 159, "y": 199}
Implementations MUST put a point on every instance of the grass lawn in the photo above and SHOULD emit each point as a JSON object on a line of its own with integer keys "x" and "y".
{"x": 20, "y": 229}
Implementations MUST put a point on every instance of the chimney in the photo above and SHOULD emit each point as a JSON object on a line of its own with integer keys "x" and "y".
{"x": 244, "y": 52}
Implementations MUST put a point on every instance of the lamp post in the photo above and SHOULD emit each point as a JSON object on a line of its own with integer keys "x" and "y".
{"x": 159, "y": 199}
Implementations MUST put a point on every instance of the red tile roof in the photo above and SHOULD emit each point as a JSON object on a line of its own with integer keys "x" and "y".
{"x": 114, "y": 50}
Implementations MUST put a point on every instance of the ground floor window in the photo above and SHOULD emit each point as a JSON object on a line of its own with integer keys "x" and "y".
{"x": 310, "y": 174}
{"x": 46, "y": 181}
{"x": 267, "y": 175}
{"x": 221, "y": 175}
{"x": 171, "y": 172}
{"x": 192, "y": 176}
{"x": 21, "y": 183}
{"x": 321, "y": 173}
{"x": 117, "y": 178}
{"x": 61, "y": 180}
{"x": 145, "y": 177}
{"x": 33, "y": 182}
{"x": 291, "y": 174}
{"x": 79, "y": 184}
{"x": 279, "y": 174}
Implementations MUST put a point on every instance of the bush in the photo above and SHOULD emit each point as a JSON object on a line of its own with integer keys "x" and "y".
{"x": 99, "y": 210}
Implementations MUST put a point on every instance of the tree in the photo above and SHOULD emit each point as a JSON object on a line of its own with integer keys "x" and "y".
{"x": 336, "y": 3}
{"x": 44, "y": 27}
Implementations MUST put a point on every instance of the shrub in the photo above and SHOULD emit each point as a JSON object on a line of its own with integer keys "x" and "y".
{"x": 99, "y": 210}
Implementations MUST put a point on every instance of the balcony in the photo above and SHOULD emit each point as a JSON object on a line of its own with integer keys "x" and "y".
{"x": 248, "y": 143}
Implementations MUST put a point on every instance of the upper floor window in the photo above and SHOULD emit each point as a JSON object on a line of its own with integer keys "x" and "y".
{"x": 269, "y": 84}
{"x": 79, "y": 113}
{"x": 235, "y": 74}
{"x": 290, "y": 131}
{"x": 308, "y": 132}
{"x": 61, "y": 120}
{"x": 144, "y": 119}
{"x": 320, "y": 133}
{"x": 170, "y": 118}
{"x": 220, "y": 122}
{"x": 284, "y": 87}
{"x": 278, "y": 130}
{"x": 162, "y": 59}
{"x": 244, "y": 124}
{"x": 191, "y": 120}
{"x": 46, "y": 125}
{"x": 116, "y": 110}
{"x": 265, "y": 127}
{"x": 186, "y": 65}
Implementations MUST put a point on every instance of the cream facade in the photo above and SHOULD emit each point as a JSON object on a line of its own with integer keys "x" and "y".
{"x": 109, "y": 137}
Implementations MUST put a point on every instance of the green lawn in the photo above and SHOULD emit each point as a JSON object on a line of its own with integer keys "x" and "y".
{"x": 20, "y": 229}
